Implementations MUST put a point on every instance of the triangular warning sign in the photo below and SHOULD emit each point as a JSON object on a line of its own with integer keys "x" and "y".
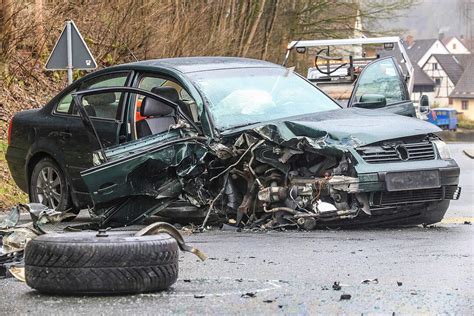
{"x": 82, "y": 58}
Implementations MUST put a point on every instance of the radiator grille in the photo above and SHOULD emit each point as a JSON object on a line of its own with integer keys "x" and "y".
{"x": 404, "y": 152}
{"x": 451, "y": 192}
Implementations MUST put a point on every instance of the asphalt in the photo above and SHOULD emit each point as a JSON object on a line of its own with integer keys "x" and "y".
{"x": 419, "y": 271}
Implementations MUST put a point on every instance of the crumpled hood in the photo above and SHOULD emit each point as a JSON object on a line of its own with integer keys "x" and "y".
{"x": 352, "y": 127}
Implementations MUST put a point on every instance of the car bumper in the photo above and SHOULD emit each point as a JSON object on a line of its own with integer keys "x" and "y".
{"x": 16, "y": 163}
{"x": 415, "y": 182}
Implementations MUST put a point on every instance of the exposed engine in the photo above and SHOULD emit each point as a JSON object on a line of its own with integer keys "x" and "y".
{"x": 270, "y": 186}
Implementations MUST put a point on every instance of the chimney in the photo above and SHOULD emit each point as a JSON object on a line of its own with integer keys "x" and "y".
{"x": 410, "y": 41}
{"x": 441, "y": 36}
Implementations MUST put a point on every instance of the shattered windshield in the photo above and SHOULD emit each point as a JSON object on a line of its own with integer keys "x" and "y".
{"x": 239, "y": 97}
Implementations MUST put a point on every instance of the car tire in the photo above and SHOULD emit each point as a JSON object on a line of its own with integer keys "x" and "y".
{"x": 48, "y": 186}
{"x": 85, "y": 264}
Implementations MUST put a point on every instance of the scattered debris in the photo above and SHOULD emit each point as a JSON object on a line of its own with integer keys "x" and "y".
{"x": 399, "y": 283}
{"x": 345, "y": 297}
{"x": 249, "y": 295}
{"x": 469, "y": 152}
{"x": 467, "y": 223}
{"x": 199, "y": 296}
{"x": 370, "y": 281}
{"x": 268, "y": 301}
{"x": 11, "y": 220}
{"x": 336, "y": 286}
{"x": 18, "y": 272}
{"x": 162, "y": 227}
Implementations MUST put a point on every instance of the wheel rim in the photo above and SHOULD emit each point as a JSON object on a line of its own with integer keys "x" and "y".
{"x": 49, "y": 187}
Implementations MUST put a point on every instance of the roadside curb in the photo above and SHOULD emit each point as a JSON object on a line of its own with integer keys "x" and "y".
{"x": 469, "y": 153}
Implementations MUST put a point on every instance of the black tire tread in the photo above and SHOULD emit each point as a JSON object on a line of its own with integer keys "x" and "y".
{"x": 95, "y": 267}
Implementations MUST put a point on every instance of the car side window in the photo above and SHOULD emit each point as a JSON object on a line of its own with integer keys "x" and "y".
{"x": 381, "y": 78}
{"x": 104, "y": 105}
{"x": 65, "y": 105}
{"x": 164, "y": 87}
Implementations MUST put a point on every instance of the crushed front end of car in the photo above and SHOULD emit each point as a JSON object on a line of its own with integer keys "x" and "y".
{"x": 333, "y": 169}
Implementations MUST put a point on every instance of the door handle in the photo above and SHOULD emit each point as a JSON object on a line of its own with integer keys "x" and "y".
{"x": 106, "y": 190}
{"x": 65, "y": 135}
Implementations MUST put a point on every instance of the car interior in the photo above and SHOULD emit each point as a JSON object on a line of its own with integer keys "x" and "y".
{"x": 153, "y": 117}
{"x": 104, "y": 105}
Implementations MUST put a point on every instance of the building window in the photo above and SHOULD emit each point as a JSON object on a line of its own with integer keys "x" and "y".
{"x": 438, "y": 81}
{"x": 435, "y": 66}
{"x": 465, "y": 105}
{"x": 454, "y": 45}
{"x": 450, "y": 101}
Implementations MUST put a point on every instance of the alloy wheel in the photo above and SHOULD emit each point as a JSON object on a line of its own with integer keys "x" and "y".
{"x": 49, "y": 187}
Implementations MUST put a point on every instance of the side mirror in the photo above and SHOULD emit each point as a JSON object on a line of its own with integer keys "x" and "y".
{"x": 424, "y": 104}
{"x": 371, "y": 101}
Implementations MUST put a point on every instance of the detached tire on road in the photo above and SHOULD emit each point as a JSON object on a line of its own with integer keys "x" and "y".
{"x": 82, "y": 263}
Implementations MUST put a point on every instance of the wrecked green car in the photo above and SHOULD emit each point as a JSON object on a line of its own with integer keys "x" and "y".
{"x": 251, "y": 143}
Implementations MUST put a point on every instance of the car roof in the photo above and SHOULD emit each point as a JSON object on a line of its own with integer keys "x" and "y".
{"x": 196, "y": 64}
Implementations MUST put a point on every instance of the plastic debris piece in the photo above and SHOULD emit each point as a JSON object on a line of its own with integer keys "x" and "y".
{"x": 399, "y": 283}
{"x": 11, "y": 220}
{"x": 18, "y": 238}
{"x": 18, "y": 273}
{"x": 249, "y": 295}
{"x": 370, "y": 281}
{"x": 336, "y": 286}
{"x": 345, "y": 297}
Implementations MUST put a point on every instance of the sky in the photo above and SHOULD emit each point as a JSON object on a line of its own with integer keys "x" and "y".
{"x": 430, "y": 17}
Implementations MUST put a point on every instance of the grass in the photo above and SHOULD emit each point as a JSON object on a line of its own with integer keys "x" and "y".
{"x": 10, "y": 194}
{"x": 466, "y": 124}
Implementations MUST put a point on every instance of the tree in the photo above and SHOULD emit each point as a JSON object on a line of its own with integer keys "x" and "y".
{"x": 6, "y": 23}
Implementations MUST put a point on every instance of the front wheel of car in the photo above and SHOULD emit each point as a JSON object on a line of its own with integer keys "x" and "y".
{"x": 48, "y": 186}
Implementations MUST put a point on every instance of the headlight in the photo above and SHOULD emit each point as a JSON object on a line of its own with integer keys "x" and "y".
{"x": 443, "y": 149}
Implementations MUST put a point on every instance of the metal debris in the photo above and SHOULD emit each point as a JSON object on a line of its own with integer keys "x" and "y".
{"x": 161, "y": 227}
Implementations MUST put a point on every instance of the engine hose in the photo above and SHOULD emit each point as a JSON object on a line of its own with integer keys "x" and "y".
{"x": 278, "y": 209}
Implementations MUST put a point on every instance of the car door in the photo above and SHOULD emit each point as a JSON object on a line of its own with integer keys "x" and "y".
{"x": 381, "y": 85}
{"x": 134, "y": 179}
{"x": 107, "y": 114}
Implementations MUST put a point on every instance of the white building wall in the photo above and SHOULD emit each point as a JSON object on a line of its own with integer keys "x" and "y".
{"x": 436, "y": 48}
{"x": 455, "y": 46}
{"x": 445, "y": 87}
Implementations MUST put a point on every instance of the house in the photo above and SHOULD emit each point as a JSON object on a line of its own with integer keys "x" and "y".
{"x": 422, "y": 85}
{"x": 462, "y": 97}
{"x": 456, "y": 45}
{"x": 445, "y": 70}
{"x": 420, "y": 51}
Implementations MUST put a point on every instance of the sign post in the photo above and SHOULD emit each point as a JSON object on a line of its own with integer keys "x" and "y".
{"x": 70, "y": 52}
